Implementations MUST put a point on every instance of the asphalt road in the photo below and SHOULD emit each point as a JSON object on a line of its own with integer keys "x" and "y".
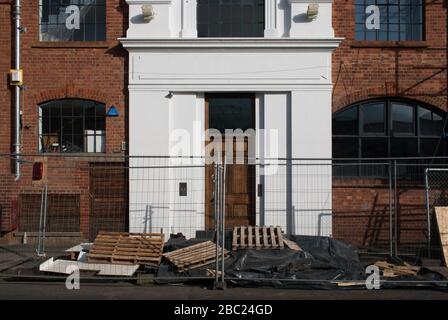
{"x": 57, "y": 291}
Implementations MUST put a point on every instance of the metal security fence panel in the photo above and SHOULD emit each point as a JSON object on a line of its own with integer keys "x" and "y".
{"x": 174, "y": 219}
{"x": 415, "y": 226}
{"x": 113, "y": 216}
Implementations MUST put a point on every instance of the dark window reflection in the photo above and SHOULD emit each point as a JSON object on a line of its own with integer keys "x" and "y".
{"x": 230, "y": 18}
{"x": 231, "y": 113}
{"x": 346, "y": 123}
{"x": 403, "y": 119}
{"x": 389, "y": 129}
{"x": 373, "y": 117}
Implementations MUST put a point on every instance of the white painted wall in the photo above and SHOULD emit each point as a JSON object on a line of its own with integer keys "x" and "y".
{"x": 311, "y": 138}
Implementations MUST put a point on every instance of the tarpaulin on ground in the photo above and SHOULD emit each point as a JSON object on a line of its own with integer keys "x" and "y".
{"x": 322, "y": 261}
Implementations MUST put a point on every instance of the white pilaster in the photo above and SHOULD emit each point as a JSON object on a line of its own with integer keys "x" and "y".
{"x": 189, "y": 17}
{"x": 271, "y": 18}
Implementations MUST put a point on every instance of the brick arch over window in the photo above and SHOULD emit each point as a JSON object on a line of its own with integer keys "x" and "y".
{"x": 69, "y": 92}
{"x": 388, "y": 91}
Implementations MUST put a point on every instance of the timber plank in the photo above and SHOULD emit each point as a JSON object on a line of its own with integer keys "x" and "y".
{"x": 442, "y": 222}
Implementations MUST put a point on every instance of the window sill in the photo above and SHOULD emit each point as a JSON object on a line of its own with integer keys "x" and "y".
{"x": 75, "y": 44}
{"x": 389, "y": 44}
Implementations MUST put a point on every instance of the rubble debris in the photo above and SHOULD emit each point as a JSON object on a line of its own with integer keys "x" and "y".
{"x": 67, "y": 267}
{"x": 390, "y": 270}
{"x": 442, "y": 222}
{"x": 257, "y": 238}
{"x": 127, "y": 248}
{"x": 212, "y": 273}
{"x": 79, "y": 252}
{"x": 195, "y": 256}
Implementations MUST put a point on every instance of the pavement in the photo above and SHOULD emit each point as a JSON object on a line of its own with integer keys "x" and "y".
{"x": 125, "y": 291}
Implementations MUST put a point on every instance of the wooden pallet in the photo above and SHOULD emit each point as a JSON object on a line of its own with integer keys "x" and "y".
{"x": 257, "y": 238}
{"x": 127, "y": 248}
{"x": 194, "y": 257}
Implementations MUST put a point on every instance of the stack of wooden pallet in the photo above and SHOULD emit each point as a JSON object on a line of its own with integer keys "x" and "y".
{"x": 195, "y": 256}
{"x": 127, "y": 248}
{"x": 257, "y": 238}
{"x": 392, "y": 271}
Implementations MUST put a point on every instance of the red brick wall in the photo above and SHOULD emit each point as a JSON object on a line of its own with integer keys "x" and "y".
{"x": 88, "y": 70}
{"x": 414, "y": 70}
{"x": 362, "y": 213}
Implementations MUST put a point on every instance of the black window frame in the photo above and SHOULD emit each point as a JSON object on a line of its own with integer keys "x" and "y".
{"x": 205, "y": 27}
{"x": 100, "y": 27}
{"x": 389, "y": 3}
{"x": 61, "y": 104}
{"x": 389, "y": 135}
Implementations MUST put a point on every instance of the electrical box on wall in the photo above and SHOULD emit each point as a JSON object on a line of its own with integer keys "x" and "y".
{"x": 16, "y": 77}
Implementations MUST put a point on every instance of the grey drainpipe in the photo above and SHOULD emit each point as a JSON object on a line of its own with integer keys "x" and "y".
{"x": 17, "y": 140}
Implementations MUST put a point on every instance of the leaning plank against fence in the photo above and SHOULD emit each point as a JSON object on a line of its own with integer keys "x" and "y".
{"x": 442, "y": 222}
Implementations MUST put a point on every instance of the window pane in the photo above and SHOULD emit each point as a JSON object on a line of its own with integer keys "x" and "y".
{"x": 231, "y": 113}
{"x": 403, "y": 119}
{"x": 373, "y": 117}
{"x": 432, "y": 148}
{"x": 346, "y": 122}
{"x": 235, "y": 18}
{"x": 401, "y": 148}
{"x": 374, "y": 148}
{"x": 431, "y": 124}
{"x": 345, "y": 148}
{"x": 73, "y": 20}
{"x": 66, "y": 108}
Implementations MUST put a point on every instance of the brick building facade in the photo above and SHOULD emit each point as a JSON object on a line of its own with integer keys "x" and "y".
{"x": 97, "y": 71}
{"x": 364, "y": 70}
{"x": 59, "y": 70}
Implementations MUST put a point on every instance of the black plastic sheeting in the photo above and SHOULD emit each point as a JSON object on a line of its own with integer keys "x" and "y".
{"x": 323, "y": 263}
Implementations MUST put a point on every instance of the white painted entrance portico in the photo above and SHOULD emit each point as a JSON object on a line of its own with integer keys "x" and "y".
{"x": 289, "y": 72}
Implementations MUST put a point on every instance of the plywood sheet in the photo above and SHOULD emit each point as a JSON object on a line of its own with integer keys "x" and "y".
{"x": 442, "y": 222}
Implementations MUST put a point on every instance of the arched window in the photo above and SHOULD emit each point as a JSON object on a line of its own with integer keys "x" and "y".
{"x": 72, "y": 126}
{"x": 388, "y": 128}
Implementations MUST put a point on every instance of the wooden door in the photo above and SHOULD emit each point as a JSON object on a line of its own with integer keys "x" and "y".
{"x": 240, "y": 178}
